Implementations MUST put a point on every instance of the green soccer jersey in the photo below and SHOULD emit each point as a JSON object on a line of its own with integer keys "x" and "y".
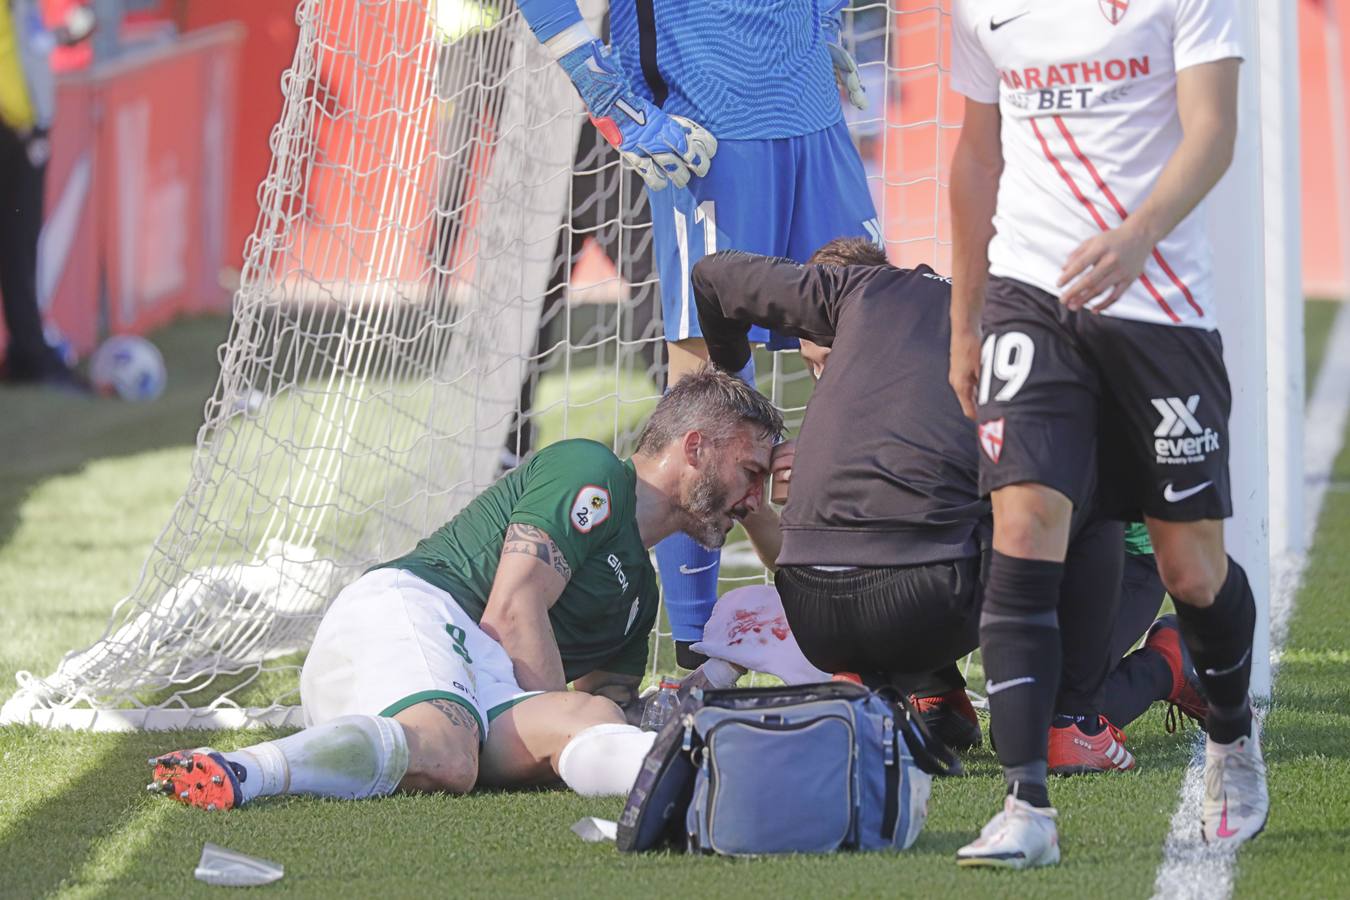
{"x": 585, "y": 498}
{"x": 1137, "y": 542}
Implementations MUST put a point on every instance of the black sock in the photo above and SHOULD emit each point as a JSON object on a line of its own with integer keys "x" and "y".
{"x": 1019, "y": 643}
{"x": 1089, "y": 598}
{"x": 1028, "y": 783}
{"x": 1219, "y": 638}
{"x": 1088, "y": 723}
{"x": 686, "y": 657}
{"x": 1142, "y": 678}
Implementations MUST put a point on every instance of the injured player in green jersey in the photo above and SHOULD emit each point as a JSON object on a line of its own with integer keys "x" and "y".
{"x": 449, "y": 666}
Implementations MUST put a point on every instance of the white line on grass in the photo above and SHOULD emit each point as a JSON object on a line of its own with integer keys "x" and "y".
{"x": 1190, "y": 869}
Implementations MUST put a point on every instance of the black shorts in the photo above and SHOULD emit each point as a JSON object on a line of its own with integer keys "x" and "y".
{"x": 1132, "y": 413}
{"x": 895, "y": 621}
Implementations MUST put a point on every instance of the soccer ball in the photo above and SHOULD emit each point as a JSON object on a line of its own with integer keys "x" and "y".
{"x": 129, "y": 366}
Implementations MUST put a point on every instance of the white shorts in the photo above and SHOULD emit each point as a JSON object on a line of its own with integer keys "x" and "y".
{"x": 389, "y": 641}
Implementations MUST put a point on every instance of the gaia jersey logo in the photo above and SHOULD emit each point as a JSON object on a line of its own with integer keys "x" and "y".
{"x": 617, "y": 568}
{"x": 590, "y": 508}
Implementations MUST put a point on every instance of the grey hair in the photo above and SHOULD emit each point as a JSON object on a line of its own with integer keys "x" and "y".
{"x": 712, "y": 402}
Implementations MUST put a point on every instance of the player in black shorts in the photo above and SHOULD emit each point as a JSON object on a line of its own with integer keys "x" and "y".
{"x": 885, "y": 537}
{"x": 1084, "y": 346}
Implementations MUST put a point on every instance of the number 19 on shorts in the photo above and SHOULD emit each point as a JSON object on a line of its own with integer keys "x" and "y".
{"x": 1006, "y": 357}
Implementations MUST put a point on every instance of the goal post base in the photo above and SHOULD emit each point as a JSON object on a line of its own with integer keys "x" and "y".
{"x": 16, "y": 712}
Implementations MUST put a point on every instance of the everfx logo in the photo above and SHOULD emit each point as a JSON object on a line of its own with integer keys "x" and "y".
{"x": 1179, "y": 437}
{"x": 1177, "y": 417}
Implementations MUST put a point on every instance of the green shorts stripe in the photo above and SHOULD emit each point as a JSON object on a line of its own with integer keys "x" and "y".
{"x": 503, "y": 707}
{"x": 399, "y": 706}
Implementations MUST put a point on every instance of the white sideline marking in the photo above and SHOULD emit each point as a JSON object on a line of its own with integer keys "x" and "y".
{"x": 1190, "y": 869}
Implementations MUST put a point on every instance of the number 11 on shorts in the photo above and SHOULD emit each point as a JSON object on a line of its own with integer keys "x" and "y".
{"x": 705, "y": 213}
{"x": 1006, "y": 357}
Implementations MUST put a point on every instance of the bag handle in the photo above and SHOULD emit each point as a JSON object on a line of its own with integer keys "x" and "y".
{"x": 929, "y": 752}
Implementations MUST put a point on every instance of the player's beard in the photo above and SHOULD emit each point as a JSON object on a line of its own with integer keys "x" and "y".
{"x": 705, "y": 511}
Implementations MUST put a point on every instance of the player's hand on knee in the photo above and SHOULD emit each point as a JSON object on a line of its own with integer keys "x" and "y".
{"x": 664, "y": 149}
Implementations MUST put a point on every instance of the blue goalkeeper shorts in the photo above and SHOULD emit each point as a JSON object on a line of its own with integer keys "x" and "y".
{"x": 779, "y": 197}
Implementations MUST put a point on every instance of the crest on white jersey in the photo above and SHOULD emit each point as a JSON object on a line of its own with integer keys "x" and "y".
{"x": 590, "y": 508}
{"x": 1114, "y": 10}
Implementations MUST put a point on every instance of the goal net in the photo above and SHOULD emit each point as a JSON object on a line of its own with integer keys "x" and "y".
{"x": 449, "y": 269}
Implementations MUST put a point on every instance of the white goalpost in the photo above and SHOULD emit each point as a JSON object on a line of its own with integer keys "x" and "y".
{"x": 448, "y": 264}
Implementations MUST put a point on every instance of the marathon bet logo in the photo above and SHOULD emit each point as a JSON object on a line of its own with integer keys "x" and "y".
{"x": 1179, "y": 437}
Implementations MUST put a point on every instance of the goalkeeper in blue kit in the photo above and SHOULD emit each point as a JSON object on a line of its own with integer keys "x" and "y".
{"x": 731, "y": 114}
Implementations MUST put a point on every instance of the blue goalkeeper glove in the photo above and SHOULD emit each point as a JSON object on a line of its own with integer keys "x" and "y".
{"x": 662, "y": 148}
{"x": 845, "y": 69}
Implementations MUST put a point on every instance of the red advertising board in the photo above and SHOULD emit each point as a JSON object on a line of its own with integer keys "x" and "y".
{"x": 138, "y": 189}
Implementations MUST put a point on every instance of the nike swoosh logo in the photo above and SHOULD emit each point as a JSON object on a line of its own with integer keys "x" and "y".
{"x": 1172, "y": 496}
{"x": 1215, "y": 673}
{"x": 995, "y": 26}
{"x": 685, "y": 570}
{"x": 1223, "y": 830}
{"x": 636, "y": 115}
{"x": 994, "y": 687}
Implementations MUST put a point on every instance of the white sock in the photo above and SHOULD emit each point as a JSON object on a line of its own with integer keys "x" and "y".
{"x": 604, "y": 759}
{"x": 349, "y": 757}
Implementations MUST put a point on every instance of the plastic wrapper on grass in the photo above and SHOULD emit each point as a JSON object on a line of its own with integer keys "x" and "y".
{"x": 227, "y": 868}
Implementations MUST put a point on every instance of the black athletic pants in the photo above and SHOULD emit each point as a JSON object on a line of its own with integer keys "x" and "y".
{"x": 21, "y": 195}
{"x": 907, "y": 625}
{"x": 911, "y": 625}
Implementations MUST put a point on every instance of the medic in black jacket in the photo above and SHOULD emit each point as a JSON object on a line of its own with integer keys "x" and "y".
{"x": 885, "y": 535}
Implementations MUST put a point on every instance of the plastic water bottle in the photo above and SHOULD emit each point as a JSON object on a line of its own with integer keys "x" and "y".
{"x": 661, "y": 705}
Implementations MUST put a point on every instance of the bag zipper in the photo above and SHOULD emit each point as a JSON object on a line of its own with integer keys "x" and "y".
{"x": 890, "y": 807}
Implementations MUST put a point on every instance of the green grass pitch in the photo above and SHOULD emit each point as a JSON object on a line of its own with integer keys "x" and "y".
{"x": 85, "y": 487}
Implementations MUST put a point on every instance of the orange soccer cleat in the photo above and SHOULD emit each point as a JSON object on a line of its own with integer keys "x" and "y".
{"x": 1164, "y": 638}
{"x": 201, "y": 778}
{"x": 1074, "y": 753}
{"x": 951, "y": 718}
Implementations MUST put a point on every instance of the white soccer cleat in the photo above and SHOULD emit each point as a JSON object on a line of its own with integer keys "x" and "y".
{"x": 1236, "y": 800}
{"x": 1022, "y": 836}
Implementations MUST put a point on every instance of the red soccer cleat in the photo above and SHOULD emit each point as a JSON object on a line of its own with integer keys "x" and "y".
{"x": 1186, "y": 698}
{"x": 951, "y": 718}
{"x": 1074, "y": 753}
{"x": 201, "y": 778}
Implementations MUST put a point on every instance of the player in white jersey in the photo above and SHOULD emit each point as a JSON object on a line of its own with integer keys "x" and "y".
{"x": 1084, "y": 336}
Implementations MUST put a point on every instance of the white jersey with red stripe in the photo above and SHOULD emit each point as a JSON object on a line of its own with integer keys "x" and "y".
{"x": 1087, "y": 93}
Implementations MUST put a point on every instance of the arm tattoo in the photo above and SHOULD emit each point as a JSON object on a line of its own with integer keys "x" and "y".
{"x": 535, "y": 542}
{"x": 457, "y": 714}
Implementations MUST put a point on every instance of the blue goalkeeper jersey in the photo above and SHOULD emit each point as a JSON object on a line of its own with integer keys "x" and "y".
{"x": 743, "y": 69}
